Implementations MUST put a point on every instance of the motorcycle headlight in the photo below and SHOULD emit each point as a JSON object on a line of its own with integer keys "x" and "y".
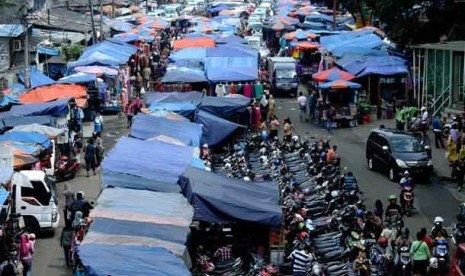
{"x": 430, "y": 162}
{"x": 54, "y": 217}
{"x": 401, "y": 163}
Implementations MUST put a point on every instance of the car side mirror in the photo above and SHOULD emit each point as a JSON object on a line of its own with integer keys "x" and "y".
{"x": 385, "y": 148}
{"x": 428, "y": 151}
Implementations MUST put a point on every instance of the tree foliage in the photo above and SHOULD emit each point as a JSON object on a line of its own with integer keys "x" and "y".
{"x": 72, "y": 52}
{"x": 409, "y": 22}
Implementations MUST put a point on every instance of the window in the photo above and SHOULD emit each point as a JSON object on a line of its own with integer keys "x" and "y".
{"x": 407, "y": 144}
{"x": 39, "y": 192}
{"x": 3, "y": 84}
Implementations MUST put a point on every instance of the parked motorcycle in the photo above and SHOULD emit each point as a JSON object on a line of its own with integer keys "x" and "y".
{"x": 66, "y": 168}
{"x": 407, "y": 200}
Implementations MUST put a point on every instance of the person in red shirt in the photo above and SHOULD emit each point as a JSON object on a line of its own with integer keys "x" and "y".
{"x": 426, "y": 238}
{"x": 330, "y": 155}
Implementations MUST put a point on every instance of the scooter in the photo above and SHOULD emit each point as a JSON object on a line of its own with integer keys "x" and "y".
{"x": 458, "y": 232}
{"x": 441, "y": 254}
{"x": 67, "y": 168}
{"x": 404, "y": 266}
{"x": 407, "y": 200}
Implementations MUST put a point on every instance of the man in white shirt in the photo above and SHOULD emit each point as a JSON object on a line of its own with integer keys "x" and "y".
{"x": 302, "y": 101}
{"x": 424, "y": 121}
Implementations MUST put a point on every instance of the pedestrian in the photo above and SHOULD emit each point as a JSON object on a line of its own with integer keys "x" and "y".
{"x": 452, "y": 142}
{"x": 330, "y": 116}
{"x": 26, "y": 251}
{"x": 400, "y": 118}
{"x": 70, "y": 196}
{"x": 379, "y": 211}
{"x": 274, "y": 126}
{"x": 301, "y": 260}
{"x": 66, "y": 240}
{"x": 129, "y": 110}
{"x": 437, "y": 130}
{"x": 271, "y": 105}
{"x": 427, "y": 239}
{"x": 312, "y": 105}
{"x": 98, "y": 149}
{"x": 139, "y": 83}
{"x": 460, "y": 169}
{"x": 98, "y": 123}
{"x": 420, "y": 255}
{"x": 331, "y": 154}
{"x": 137, "y": 105}
{"x": 302, "y": 102}
{"x": 288, "y": 129}
{"x": 90, "y": 156}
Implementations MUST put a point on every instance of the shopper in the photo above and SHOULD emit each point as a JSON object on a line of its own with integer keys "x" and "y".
{"x": 420, "y": 255}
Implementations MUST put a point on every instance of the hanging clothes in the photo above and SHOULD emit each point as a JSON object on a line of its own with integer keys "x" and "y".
{"x": 232, "y": 88}
{"x": 240, "y": 88}
{"x": 248, "y": 90}
{"x": 258, "y": 90}
{"x": 219, "y": 90}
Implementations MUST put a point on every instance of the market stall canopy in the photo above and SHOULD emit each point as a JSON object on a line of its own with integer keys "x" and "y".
{"x": 55, "y": 92}
{"x": 26, "y": 138}
{"x": 97, "y": 70}
{"x": 51, "y": 132}
{"x": 305, "y": 45}
{"x": 36, "y": 78}
{"x": 145, "y": 165}
{"x": 197, "y": 54}
{"x": 21, "y": 159}
{"x": 4, "y": 195}
{"x": 299, "y": 35}
{"x": 215, "y": 130}
{"x": 115, "y": 52}
{"x": 177, "y": 74}
{"x": 168, "y": 115}
{"x": 366, "y": 39}
{"x": 193, "y": 97}
{"x": 340, "y": 84}
{"x": 224, "y": 107}
{"x": 221, "y": 199}
{"x": 194, "y": 42}
{"x": 78, "y": 78}
{"x": 17, "y": 121}
{"x": 147, "y": 127}
{"x": 185, "y": 109}
{"x": 96, "y": 58}
{"x": 332, "y": 74}
{"x": 378, "y": 65}
{"x": 105, "y": 259}
{"x": 121, "y": 26}
{"x": 142, "y": 218}
{"x": 58, "y": 108}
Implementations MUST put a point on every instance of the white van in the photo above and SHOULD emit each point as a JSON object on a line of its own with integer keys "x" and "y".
{"x": 36, "y": 200}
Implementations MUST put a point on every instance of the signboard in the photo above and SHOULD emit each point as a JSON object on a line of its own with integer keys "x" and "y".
{"x": 62, "y": 123}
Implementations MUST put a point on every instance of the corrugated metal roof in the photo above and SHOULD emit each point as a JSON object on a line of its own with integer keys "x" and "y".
{"x": 458, "y": 46}
{"x": 11, "y": 30}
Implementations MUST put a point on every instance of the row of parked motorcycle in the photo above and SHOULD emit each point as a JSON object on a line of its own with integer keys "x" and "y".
{"x": 324, "y": 212}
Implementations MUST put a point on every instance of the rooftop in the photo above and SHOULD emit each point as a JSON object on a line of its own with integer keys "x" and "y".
{"x": 458, "y": 46}
{"x": 11, "y": 30}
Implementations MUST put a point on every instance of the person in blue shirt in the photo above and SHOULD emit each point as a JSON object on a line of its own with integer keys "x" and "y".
{"x": 437, "y": 129}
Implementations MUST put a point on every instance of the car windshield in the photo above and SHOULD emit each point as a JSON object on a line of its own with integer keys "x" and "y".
{"x": 285, "y": 74}
{"x": 406, "y": 145}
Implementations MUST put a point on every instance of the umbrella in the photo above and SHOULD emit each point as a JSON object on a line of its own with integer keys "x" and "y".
{"x": 332, "y": 74}
{"x": 279, "y": 26}
{"x": 299, "y": 35}
{"x": 305, "y": 45}
{"x": 97, "y": 70}
{"x": 340, "y": 84}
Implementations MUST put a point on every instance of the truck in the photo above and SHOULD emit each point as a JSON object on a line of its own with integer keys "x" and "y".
{"x": 283, "y": 76}
{"x": 32, "y": 192}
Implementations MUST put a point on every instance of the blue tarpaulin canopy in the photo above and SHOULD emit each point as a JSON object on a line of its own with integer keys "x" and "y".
{"x": 185, "y": 109}
{"x": 104, "y": 260}
{"x": 184, "y": 75}
{"x": 193, "y": 97}
{"x": 365, "y": 39}
{"x": 232, "y": 74}
{"x": 381, "y": 65}
{"x": 58, "y": 108}
{"x": 3, "y": 196}
{"x": 145, "y": 165}
{"x": 224, "y": 200}
{"x": 78, "y": 78}
{"x": 17, "y": 121}
{"x": 37, "y": 78}
{"x": 108, "y": 52}
{"x": 9, "y": 100}
{"x": 26, "y": 138}
{"x": 197, "y": 54}
{"x": 224, "y": 107}
{"x": 147, "y": 126}
{"x": 144, "y": 218}
{"x": 215, "y": 129}
{"x": 232, "y": 50}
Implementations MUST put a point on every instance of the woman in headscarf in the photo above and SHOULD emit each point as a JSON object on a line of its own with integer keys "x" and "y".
{"x": 26, "y": 249}
{"x": 452, "y": 145}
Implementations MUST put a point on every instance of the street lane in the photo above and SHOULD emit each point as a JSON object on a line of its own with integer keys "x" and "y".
{"x": 431, "y": 198}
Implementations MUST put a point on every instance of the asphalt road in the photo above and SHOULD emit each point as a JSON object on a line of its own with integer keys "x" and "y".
{"x": 431, "y": 197}
{"x": 48, "y": 256}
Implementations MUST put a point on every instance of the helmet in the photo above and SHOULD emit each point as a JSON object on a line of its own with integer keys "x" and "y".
{"x": 298, "y": 218}
{"x": 360, "y": 213}
{"x": 307, "y": 191}
{"x": 295, "y": 138}
{"x": 264, "y": 135}
{"x": 334, "y": 194}
{"x": 405, "y": 232}
{"x": 64, "y": 158}
{"x": 406, "y": 173}
{"x": 80, "y": 195}
{"x": 246, "y": 178}
{"x": 205, "y": 146}
{"x": 392, "y": 197}
{"x": 383, "y": 241}
{"x": 433, "y": 262}
{"x": 438, "y": 220}
{"x": 403, "y": 181}
{"x": 301, "y": 197}
{"x": 303, "y": 235}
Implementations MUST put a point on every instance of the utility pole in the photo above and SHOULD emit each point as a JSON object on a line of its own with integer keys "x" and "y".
{"x": 27, "y": 80}
{"x": 94, "y": 34}
{"x": 334, "y": 14}
{"x": 48, "y": 19}
{"x": 112, "y": 9}
{"x": 101, "y": 19}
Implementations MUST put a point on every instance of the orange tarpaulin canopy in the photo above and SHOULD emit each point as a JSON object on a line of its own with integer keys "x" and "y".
{"x": 20, "y": 159}
{"x": 306, "y": 45}
{"x": 55, "y": 92}
{"x": 198, "y": 42}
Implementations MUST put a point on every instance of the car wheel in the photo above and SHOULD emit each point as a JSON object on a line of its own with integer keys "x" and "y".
{"x": 371, "y": 164}
{"x": 392, "y": 174}
{"x": 31, "y": 224}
